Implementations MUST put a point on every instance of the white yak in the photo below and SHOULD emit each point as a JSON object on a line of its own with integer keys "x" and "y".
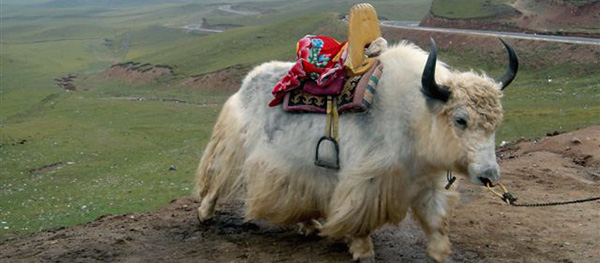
{"x": 424, "y": 120}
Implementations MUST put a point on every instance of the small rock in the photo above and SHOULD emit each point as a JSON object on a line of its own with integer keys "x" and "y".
{"x": 172, "y": 168}
{"x": 575, "y": 140}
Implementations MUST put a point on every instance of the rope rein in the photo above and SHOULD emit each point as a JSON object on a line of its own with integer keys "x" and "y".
{"x": 511, "y": 200}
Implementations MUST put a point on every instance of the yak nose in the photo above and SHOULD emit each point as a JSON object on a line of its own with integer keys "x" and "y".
{"x": 489, "y": 174}
{"x": 483, "y": 174}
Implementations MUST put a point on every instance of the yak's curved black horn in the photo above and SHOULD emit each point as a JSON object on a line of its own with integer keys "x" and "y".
{"x": 513, "y": 66}
{"x": 429, "y": 87}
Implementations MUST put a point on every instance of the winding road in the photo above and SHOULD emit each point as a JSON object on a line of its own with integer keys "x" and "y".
{"x": 414, "y": 25}
{"x": 227, "y": 8}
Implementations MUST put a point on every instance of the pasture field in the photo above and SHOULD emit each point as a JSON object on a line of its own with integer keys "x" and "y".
{"x": 469, "y": 8}
{"x": 114, "y": 146}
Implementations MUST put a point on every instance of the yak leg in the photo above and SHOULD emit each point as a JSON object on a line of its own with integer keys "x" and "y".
{"x": 207, "y": 207}
{"x": 218, "y": 175}
{"x": 433, "y": 209}
{"x": 362, "y": 249}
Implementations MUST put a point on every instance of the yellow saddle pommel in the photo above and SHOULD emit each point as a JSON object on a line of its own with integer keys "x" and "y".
{"x": 363, "y": 28}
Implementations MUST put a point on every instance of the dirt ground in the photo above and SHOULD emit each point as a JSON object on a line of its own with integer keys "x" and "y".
{"x": 560, "y": 167}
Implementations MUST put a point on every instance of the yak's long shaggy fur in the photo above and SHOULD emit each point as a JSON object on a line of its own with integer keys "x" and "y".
{"x": 393, "y": 157}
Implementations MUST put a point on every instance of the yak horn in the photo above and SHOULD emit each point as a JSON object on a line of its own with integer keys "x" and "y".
{"x": 429, "y": 87}
{"x": 513, "y": 66}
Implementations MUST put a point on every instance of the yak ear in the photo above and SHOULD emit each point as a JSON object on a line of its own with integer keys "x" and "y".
{"x": 428, "y": 86}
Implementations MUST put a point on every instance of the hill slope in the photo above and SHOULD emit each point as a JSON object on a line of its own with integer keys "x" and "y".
{"x": 536, "y": 16}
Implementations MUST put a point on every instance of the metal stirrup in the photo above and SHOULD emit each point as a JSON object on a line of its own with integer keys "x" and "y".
{"x": 331, "y": 134}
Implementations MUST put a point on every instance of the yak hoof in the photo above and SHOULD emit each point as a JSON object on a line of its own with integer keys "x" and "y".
{"x": 362, "y": 249}
{"x": 204, "y": 215}
{"x": 309, "y": 227}
{"x": 207, "y": 207}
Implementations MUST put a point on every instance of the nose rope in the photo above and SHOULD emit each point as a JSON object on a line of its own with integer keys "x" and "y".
{"x": 505, "y": 196}
{"x": 510, "y": 199}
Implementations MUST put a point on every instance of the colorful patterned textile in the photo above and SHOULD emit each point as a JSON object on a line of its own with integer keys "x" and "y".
{"x": 319, "y": 64}
{"x": 356, "y": 95}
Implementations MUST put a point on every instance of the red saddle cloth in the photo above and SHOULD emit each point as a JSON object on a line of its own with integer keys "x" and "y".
{"x": 319, "y": 69}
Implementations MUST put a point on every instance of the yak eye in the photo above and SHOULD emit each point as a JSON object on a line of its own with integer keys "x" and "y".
{"x": 460, "y": 122}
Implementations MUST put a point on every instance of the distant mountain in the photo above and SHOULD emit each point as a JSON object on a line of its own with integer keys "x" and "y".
{"x": 555, "y": 17}
{"x": 107, "y": 3}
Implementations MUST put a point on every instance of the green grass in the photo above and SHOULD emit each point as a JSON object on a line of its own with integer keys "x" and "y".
{"x": 536, "y": 106}
{"x": 466, "y": 9}
{"x": 115, "y": 156}
{"x": 580, "y": 2}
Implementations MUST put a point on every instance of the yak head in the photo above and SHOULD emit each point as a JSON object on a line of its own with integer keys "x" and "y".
{"x": 467, "y": 112}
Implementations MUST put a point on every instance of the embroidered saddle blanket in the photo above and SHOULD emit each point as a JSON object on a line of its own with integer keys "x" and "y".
{"x": 356, "y": 95}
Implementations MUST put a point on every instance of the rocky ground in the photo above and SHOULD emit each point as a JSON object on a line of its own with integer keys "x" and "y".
{"x": 559, "y": 167}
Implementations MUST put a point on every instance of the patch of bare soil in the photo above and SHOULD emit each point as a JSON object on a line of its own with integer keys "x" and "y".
{"x": 136, "y": 72}
{"x": 483, "y": 229}
{"x": 558, "y": 17}
{"x": 228, "y": 79}
{"x": 66, "y": 82}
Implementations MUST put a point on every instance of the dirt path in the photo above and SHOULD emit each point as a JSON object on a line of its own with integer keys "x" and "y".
{"x": 228, "y": 9}
{"x": 483, "y": 230}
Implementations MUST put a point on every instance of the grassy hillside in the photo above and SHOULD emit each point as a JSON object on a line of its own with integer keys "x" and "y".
{"x": 392, "y": 10}
{"x": 247, "y": 45}
{"x": 466, "y": 9}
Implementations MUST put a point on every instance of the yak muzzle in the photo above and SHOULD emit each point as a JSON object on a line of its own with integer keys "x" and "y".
{"x": 484, "y": 174}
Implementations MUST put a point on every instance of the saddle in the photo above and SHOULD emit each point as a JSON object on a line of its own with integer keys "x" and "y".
{"x": 332, "y": 78}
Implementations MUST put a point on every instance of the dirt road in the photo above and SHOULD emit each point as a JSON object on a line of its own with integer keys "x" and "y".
{"x": 560, "y": 167}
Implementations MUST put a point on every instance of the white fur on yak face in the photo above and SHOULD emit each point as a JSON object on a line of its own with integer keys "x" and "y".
{"x": 473, "y": 113}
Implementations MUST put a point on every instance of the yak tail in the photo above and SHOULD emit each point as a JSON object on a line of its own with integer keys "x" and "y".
{"x": 218, "y": 175}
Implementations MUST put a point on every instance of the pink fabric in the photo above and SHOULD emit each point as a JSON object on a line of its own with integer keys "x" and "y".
{"x": 333, "y": 88}
{"x": 315, "y": 67}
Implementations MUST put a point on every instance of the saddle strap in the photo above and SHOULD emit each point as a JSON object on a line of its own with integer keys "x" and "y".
{"x": 331, "y": 129}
